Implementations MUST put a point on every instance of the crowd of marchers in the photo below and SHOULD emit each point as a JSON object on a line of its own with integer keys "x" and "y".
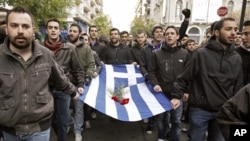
{"x": 40, "y": 82}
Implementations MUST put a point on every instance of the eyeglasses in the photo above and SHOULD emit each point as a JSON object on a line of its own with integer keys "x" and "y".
{"x": 246, "y": 33}
{"x": 55, "y": 27}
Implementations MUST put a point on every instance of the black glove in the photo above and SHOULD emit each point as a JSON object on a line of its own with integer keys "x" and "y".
{"x": 186, "y": 12}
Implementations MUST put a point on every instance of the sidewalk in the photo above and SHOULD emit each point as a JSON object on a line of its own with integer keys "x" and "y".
{"x": 104, "y": 128}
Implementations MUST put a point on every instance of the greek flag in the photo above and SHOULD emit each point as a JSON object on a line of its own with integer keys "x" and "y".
{"x": 142, "y": 101}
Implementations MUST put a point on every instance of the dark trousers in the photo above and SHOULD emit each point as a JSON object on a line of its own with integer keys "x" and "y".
{"x": 61, "y": 118}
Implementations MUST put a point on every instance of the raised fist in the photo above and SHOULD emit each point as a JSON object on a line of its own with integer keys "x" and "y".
{"x": 186, "y": 12}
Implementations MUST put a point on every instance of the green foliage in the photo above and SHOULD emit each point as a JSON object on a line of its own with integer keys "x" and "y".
{"x": 140, "y": 24}
{"x": 44, "y": 9}
{"x": 103, "y": 24}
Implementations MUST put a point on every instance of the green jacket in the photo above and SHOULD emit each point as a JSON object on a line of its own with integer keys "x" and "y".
{"x": 86, "y": 58}
{"x": 26, "y": 102}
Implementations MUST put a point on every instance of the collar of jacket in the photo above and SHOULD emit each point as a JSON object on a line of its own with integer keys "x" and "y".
{"x": 139, "y": 47}
{"x": 80, "y": 44}
{"x": 97, "y": 43}
{"x": 35, "y": 48}
{"x": 214, "y": 45}
{"x": 121, "y": 45}
{"x": 243, "y": 48}
{"x": 166, "y": 47}
{"x": 60, "y": 38}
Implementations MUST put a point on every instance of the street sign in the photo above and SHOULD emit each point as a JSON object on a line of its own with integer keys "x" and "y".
{"x": 222, "y": 11}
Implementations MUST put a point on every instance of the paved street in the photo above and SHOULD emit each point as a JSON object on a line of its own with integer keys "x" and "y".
{"x": 105, "y": 129}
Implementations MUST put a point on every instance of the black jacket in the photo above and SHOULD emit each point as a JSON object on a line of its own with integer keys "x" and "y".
{"x": 116, "y": 55}
{"x": 135, "y": 53}
{"x": 245, "y": 56}
{"x": 98, "y": 48}
{"x": 235, "y": 111}
{"x": 215, "y": 75}
{"x": 164, "y": 67}
{"x": 146, "y": 54}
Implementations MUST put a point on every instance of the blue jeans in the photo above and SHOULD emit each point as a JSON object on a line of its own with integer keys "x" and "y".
{"x": 79, "y": 116}
{"x": 201, "y": 121}
{"x": 61, "y": 117}
{"x": 37, "y": 136}
{"x": 173, "y": 117}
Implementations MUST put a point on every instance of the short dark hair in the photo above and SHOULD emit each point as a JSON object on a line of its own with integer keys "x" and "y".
{"x": 124, "y": 32}
{"x": 246, "y": 23}
{"x": 175, "y": 28}
{"x": 19, "y": 9}
{"x": 3, "y": 22}
{"x": 156, "y": 27}
{"x": 78, "y": 26}
{"x": 93, "y": 26}
{"x": 52, "y": 20}
{"x": 190, "y": 41}
{"x": 114, "y": 29}
{"x": 213, "y": 25}
{"x": 220, "y": 23}
{"x": 239, "y": 33}
{"x": 85, "y": 34}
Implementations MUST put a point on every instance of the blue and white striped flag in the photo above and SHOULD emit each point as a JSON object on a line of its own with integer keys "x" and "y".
{"x": 143, "y": 101}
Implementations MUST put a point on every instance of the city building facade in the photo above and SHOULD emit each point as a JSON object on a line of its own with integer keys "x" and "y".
{"x": 204, "y": 12}
{"x": 84, "y": 13}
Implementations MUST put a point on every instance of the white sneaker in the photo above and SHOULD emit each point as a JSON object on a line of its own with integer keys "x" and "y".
{"x": 161, "y": 140}
{"x": 87, "y": 124}
{"x": 78, "y": 137}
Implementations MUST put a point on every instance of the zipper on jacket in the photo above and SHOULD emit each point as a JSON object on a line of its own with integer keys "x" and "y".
{"x": 25, "y": 100}
{"x": 172, "y": 63}
{"x": 221, "y": 62}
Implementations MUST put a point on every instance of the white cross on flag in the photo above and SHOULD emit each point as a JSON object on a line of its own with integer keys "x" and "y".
{"x": 142, "y": 102}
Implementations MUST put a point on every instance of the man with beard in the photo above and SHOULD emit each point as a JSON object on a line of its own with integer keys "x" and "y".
{"x": 116, "y": 52}
{"x": 66, "y": 56}
{"x": 244, "y": 51}
{"x": 236, "y": 110}
{"x": 28, "y": 70}
{"x": 87, "y": 61}
{"x": 212, "y": 75}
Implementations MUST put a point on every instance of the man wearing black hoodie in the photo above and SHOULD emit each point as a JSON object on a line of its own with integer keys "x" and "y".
{"x": 212, "y": 75}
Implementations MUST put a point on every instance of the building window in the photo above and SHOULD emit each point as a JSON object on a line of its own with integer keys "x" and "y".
{"x": 230, "y": 6}
{"x": 179, "y": 6}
